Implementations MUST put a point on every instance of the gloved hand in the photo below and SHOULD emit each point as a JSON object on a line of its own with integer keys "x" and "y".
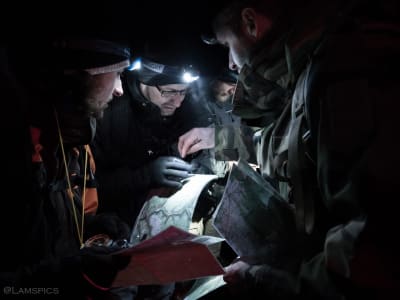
{"x": 106, "y": 223}
{"x": 246, "y": 279}
{"x": 100, "y": 266}
{"x": 236, "y": 272}
{"x": 169, "y": 171}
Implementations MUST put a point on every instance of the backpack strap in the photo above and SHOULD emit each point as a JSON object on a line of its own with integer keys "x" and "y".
{"x": 91, "y": 199}
{"x": 297, "y": 164}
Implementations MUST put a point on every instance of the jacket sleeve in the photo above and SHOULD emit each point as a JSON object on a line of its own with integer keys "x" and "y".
{"x": 262, "y": 279}
{"x": 358, "y": 163}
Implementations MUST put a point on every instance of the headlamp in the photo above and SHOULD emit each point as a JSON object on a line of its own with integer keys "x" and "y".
{"x": 153, "y": 73}
{"x": 135, "y": 65}
{"x": 188, "y": 77}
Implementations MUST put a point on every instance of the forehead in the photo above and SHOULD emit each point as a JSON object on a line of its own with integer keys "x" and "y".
{"x": 104, "y": 77}
{"x": 219, "y": 83}
{"x": 180, "y": 86}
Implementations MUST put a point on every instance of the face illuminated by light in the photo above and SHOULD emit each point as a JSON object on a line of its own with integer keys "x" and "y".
{"x": 166, "y": 97}
{"x": 242, "y": 35}
{"x": 223, "y": 91}
{"x": 239, "y": 48}
{"x": 101, "y": 89}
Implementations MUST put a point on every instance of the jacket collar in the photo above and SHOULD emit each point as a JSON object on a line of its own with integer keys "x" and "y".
{"x": 266, "y": 83}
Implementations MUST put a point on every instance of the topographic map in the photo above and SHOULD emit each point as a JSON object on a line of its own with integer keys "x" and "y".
{"x": 252, "y": 217}
{"x": 158, "y": 213}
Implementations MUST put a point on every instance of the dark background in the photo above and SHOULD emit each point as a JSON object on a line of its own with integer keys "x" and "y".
{"x": 175, "y": 22}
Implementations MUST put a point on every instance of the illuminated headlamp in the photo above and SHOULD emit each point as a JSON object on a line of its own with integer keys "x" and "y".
{"x": 153, "y": 73}
{"x": 135, "y": 65}
{"x": 188, "y": 77}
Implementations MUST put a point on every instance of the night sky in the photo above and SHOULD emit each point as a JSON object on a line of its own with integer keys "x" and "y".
{"x": 181, "y": 22}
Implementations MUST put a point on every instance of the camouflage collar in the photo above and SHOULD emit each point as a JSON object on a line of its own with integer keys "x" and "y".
{"x": 266, "y": 83}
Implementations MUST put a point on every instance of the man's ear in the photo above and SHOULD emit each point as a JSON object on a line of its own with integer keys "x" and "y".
{"x": 249, "y": 22}
{"x": 255, "y": 24}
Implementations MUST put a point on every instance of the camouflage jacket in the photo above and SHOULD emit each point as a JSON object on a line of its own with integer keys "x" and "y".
{"x": 345, "y": 96}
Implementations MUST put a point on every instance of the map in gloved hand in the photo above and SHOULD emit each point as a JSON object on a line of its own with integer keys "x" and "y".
{"x": 158, "y": 213}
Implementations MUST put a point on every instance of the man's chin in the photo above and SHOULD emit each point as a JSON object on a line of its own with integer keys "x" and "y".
{"x": 97, "y": 114}
{"x": 223, "y": 98}
{"x": 167, "y": 112}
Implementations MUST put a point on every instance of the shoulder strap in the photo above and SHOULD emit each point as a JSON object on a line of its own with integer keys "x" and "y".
{"x": 303, "y": 200}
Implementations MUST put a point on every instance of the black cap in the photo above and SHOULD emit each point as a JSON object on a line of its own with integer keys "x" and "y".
{"x": 209, "y": 38}
{"x": 96, "y": 56}
{"x": 227, "y": 75}
{"x": 164, "y": 60}
{"x": 153, "y": 73}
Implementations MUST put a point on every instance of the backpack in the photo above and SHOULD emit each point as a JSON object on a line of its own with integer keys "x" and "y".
{"x": 326, "y": 63}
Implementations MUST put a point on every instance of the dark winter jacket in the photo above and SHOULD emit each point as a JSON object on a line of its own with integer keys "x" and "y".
{"x": 41, "y": 256}
{"x": 129, "y": 137}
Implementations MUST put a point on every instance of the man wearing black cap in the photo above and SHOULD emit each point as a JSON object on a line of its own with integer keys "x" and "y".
{"x": 134, "y": 144}
{"x": 50, "y": 172}
{"x": 217, "y": 92}
{"x": 222, "y": 88}
{"x": 150, "y": 116}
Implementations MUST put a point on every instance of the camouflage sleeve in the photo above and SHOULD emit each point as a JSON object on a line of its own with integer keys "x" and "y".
{"x": 357, "y": 161}
{"x": 315, "y": 281}
{"x": 282, "y": 284}
{"x": 270, "y": 282}
{"x": 234, "y": 142}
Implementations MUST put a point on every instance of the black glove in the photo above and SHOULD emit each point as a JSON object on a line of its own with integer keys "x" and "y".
{"x": 100, "y": 266}
{"x": 106, "y": 223}
{"x": 169, "y": 171}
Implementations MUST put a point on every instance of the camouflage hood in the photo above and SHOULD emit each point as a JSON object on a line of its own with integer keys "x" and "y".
{"x": 266, "y": 83}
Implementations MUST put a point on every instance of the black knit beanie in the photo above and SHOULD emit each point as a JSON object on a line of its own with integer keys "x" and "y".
{"x": 92, "y": 55}
{"x": 227, "y": 75}
{"x": 164, "y": 60}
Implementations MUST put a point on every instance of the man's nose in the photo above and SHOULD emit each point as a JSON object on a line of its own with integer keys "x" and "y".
{"x": 118, "y": 90}
{"x": 232, "y": 64}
